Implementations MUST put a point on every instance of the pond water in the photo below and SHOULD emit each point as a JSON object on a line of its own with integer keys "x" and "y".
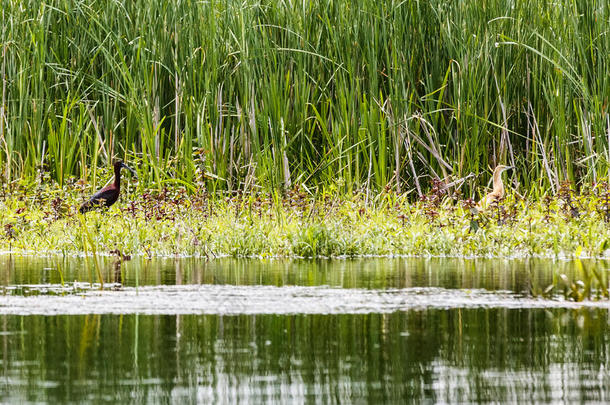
{"x": 341, "y": 331}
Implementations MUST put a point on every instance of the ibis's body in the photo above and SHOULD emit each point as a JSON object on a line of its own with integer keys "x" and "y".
{"x": 498, "y": 189}
{"x": 109, "y": 194}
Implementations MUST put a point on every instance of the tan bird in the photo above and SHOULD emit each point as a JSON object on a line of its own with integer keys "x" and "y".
{"x": 498, "y": 191}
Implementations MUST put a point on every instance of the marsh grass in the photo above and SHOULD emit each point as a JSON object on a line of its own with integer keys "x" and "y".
{"x": 264, "y": 95}
{"x": 171, "y": 222}
{"x": 296, "y": 224}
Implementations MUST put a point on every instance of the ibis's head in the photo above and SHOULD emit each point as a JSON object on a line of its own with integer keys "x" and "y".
{"x": 120, "y": 165}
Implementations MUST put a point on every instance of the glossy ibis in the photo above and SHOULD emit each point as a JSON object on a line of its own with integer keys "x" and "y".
{"x": 498, "y": 191}
{"x": 109, "y": 194}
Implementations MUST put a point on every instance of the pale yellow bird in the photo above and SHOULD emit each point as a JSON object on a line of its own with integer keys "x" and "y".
{"x": 498, "y": 189}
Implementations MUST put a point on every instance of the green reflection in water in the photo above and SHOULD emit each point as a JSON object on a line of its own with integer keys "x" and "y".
{"x": 520, "y": 276}
{"x": 474, "y": 355}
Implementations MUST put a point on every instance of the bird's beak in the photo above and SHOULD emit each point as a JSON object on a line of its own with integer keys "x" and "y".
{"x": 133, "y": 172}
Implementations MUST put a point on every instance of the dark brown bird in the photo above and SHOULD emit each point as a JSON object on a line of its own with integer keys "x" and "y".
{"x": 109, "y": 194}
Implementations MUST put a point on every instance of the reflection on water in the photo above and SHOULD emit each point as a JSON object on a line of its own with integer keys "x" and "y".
{"x": 275, "y": 348}
{"x": 474, "y": 355}
{"x": 519, "y": 276}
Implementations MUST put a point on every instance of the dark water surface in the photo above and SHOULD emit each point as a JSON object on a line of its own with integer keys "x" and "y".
{"x": 350, "y": 331}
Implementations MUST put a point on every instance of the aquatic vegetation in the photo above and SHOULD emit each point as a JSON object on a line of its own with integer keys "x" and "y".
{"x": 39, "y": 218}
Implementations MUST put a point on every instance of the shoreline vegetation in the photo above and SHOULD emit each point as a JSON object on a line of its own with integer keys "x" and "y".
{"x": 36, "y": 218}
{"x": 44, "y": 221}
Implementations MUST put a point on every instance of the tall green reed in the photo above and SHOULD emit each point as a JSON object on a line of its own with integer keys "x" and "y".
{"x": 263, "y": 95}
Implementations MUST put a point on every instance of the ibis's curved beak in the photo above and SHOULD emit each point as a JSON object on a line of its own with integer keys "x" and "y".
{"x": 133, "y": 172}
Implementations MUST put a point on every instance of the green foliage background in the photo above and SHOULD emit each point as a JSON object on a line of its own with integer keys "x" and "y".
{"x": 267, "y": 94}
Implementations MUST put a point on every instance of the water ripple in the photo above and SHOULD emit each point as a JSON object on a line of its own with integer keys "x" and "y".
{"x": 233, "y": 300}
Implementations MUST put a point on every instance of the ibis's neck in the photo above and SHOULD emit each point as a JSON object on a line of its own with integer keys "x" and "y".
{"x": 117, "y": 177}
